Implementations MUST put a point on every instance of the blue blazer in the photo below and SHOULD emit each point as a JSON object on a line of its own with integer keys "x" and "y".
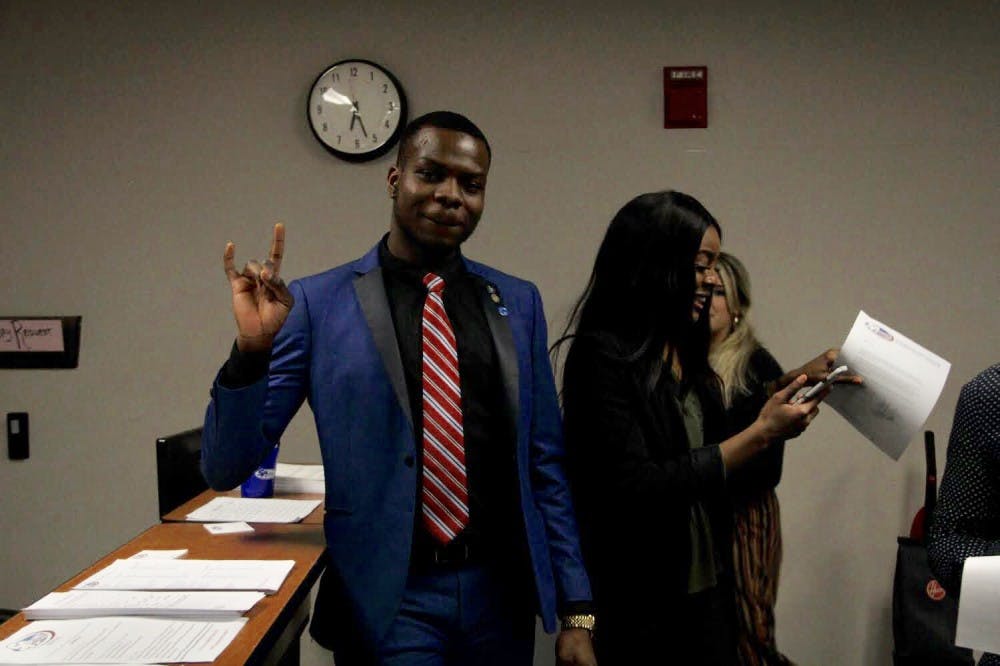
{"x": 338, "y": 350}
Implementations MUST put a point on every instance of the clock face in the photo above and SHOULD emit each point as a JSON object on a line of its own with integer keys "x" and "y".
{"x": 357, "y": 110}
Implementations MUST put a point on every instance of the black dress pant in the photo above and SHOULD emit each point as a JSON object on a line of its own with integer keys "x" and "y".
{"x": 698, "y": 630}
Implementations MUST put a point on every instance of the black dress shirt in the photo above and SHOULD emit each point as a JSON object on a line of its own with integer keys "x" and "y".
{"x": 494, "y": 510}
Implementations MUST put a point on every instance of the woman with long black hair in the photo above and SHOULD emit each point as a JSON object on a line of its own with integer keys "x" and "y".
{"x": 645, "y": 435}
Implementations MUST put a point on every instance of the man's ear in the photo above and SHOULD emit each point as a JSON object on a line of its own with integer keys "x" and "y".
{"x": 392, "y": 181}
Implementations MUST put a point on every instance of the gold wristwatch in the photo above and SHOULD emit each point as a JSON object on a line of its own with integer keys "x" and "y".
{"x": 579, "y": 622}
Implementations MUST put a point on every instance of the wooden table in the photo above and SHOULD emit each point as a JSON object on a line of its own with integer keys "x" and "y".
{"x": 271, "y": 634}
{"x": 179, "y": 515}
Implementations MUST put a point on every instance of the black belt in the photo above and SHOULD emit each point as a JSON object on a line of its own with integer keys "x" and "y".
{"x": 448, "y": 555}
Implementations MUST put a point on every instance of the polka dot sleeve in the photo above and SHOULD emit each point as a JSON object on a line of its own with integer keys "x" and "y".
{"x": 966, "y": 522}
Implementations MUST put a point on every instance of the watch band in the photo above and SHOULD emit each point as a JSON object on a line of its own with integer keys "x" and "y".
{"x": 579, "y": 622}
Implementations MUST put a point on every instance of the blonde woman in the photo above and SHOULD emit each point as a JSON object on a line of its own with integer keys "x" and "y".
{"x": 746, "y": 368}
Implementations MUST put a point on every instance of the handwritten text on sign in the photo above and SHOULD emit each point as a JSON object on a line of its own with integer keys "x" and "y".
{"x": 31, "y": 335}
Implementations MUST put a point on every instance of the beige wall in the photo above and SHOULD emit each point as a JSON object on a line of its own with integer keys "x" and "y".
{"x": 851, "y": 156}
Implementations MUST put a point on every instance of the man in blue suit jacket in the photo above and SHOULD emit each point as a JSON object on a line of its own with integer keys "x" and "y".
{"x": 349, "y": 341}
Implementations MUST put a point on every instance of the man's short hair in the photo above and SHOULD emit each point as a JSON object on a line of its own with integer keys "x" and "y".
{"x": 448, "y": 120}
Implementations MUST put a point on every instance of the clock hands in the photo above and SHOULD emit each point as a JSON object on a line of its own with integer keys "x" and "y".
{"x": 355, "y": 115}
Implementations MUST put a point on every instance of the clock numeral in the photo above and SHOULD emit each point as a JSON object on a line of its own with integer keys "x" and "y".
{"x": 335, "y": 76}
{"x": 354, "y": 71}
{"x": 371, "y": 75}
{"x": 322, "y": 89}
{"x": 319, "y": 109}
{"x": 387, "y": 124}
{"x": 324, "y": 127}
{"x": 374, "y": 139}
{"x": 357, "y": 143}
{"x": 338, "y": 139}
{"x": 385, "y": 88}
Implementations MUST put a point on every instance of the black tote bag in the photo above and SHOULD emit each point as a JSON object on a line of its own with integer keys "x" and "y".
{"x": 923, "y": 614}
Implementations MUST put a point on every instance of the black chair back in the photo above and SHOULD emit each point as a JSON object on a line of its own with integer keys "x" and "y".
{"x": 178, "y": 469}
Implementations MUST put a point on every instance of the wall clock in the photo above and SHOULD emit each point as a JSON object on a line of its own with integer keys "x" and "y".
{"x": 357, "y": 109}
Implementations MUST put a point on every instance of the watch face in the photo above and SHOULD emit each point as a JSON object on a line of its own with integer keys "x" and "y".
{"x": 357, "y": 109}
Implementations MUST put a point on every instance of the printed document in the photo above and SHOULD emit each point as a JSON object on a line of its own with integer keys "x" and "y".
{"x": 253, "y": 510}
{"x": 91, "y": 603}
{"x": 299, "y": 478}
{"x": 118, "y": 640}
{"x": 261, "y": 575}
{"x": 902, "y": 382}
{"x": 979, "y": 605}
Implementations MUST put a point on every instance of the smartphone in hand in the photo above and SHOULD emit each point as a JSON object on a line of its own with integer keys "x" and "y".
{"x": 808, "y": 393}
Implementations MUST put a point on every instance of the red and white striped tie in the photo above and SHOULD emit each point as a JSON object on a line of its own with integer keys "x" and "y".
{"x": 445, "y": 492}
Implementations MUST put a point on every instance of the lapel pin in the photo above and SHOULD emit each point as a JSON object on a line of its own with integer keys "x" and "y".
{"x": 502, "y": 310}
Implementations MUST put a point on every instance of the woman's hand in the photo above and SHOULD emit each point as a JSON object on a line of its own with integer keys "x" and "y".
{"x": 261, "y": 300}
{"x": 780, "y": 419}
{"x": 816, "y": 371}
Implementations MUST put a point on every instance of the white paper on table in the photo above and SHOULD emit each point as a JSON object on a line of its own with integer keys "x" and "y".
{"x": 299, "y": 478}
{"x": 228, "y": 528}
{"x": 261, "y": 575}
{"x": 979, "y": 605}
{"x": 253, "y": 510}
{"x": 902, "y": 382}
{"x": 96, "y": 603}
{"x": 119, "y": 640}
{"x": 159, "y": 554}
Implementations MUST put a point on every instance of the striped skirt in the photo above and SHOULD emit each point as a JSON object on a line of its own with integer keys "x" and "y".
{"x": 757, "y": 553}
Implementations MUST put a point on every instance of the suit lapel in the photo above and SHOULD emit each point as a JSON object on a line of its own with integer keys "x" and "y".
{"x": 370, "y": 290}
{"x": 503, "y": 340}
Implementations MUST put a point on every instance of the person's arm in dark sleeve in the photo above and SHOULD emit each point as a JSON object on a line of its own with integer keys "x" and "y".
{"x": 254, "y": 397}
{"x": 966, "y": 521}
{"x": 763, "y": 472}
{"x": 609, "y": 446}
{"x": 244, "y": 368}
{"x": 549, "y": 483}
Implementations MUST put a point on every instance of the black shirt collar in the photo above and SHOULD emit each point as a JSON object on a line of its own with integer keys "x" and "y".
{"x": 453, "y": 267}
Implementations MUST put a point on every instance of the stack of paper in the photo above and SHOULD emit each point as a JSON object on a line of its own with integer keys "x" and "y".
{"x": 119, "y": 640}
{"x": 85, "y": 603}
{"x": 145, "y": 610}
{"x": 295, "y": 478}
{"x": 260, "y": 575}
{"x": 250, "y": 510}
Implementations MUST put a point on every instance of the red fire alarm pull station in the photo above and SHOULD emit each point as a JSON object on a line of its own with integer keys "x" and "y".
{"x": 685, "y": 97}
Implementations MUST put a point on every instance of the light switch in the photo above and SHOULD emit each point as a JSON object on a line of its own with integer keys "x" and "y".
{"x": 17, "y": 435}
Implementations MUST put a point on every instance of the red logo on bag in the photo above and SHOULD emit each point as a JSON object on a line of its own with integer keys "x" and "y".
{"x": 935, "y": 591}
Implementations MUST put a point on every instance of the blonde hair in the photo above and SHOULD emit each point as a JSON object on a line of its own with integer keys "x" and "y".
{"x": 731, "y": 358}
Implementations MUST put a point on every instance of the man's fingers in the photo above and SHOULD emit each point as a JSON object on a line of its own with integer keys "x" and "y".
{"x": 277, "y": 290}
{"x": 278, "y": 247}
{"x": 252, "y": 269}
{"x": 227, "y": 262}
{"x": 268, "y": 272}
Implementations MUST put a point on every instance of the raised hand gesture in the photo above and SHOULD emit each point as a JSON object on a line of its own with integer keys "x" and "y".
{"x": 261, "y": 300}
